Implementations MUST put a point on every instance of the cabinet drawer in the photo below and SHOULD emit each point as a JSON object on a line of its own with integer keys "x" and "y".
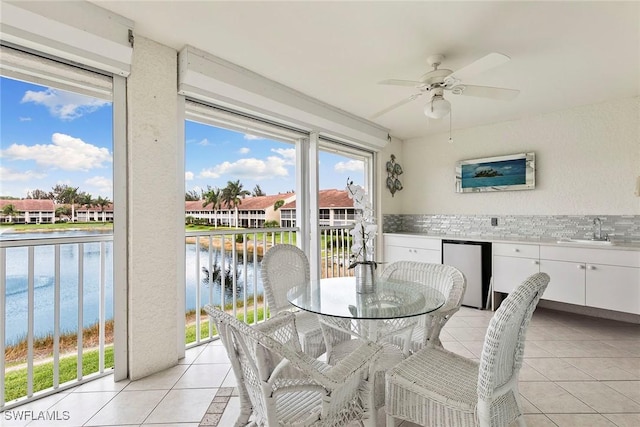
{"x": 417, "y": 242}
{"x": 516, "y": 250}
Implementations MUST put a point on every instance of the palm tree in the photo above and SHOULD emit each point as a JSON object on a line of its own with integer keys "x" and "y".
{"x": 85, "y": 199}
{"x": 102, "y": 202}
{"x": 232, "y": 196}
{"x": 213, "y": 197}
{"x": 257, "y": 191}
{"x": 10, "y": 211}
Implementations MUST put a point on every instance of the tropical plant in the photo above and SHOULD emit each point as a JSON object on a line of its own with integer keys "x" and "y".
{"x": 102, "y": 202}
{"x": 232, "y": 196}
{"x": 213, "y": 197}
{"x": 11, "y": 211}
{"x": 365, "y": 229}
{"x": 39, "y": 194}
{"x": 278, "y": 204}
{"x": 191, "y": 196}
{"x": 65, "y": 194}
{"x": 271, "y": 224}
{"x": 257, "y": 191}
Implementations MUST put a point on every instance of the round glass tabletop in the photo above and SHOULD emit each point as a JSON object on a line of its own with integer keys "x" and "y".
{"x": 391, "y": 299}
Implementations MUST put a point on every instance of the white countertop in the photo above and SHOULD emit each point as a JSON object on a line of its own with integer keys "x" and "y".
{"x": 525, "y": 240}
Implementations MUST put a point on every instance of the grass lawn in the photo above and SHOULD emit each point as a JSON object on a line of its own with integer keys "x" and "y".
{"x": 16, "y": 381}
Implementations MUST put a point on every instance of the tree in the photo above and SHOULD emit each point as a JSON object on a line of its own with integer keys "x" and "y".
{"x": 257, "y": 191}
{"x": 191, "y": 196}
{"x": 102, "y": 202}
{"x": 213, "y": 197}
{"x": 62, "y": 211}
{"x": 10, "y": 210}
{"x": 278, "y": 204}
{"x": 39, "y": 194}
{"x": 232, "y": 196}
{"x": 65, "y": 194}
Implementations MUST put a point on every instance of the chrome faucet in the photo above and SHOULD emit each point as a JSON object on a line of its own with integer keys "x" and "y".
{"x": 598, "y": 236}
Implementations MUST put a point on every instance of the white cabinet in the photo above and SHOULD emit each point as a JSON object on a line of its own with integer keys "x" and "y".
{"x": 567, "y": 281}
{"x": 613, "y": 287}
{"x": 602, "y": 278}
{"x": 512, "y": 264}
{"x": 401, "y": 247}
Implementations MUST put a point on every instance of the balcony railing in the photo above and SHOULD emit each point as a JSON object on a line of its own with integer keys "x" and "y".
{"x": 61, "y": 285}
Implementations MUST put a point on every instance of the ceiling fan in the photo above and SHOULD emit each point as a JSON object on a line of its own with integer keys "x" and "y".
{"x": 438, "y": 80}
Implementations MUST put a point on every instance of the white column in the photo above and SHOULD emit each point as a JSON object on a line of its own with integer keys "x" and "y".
{"x": 153, "y": 179}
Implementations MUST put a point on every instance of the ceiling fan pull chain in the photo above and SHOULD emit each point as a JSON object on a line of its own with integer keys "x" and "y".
{"x": 450, "y": 119}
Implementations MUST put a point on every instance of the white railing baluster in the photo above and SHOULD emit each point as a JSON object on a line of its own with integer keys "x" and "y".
{"x": 198, "y": 302}
{"x": 3, "y": 314}
{"x": 101, "y": 308}
{"x": 211, "y": 270}
{"x": 255, "y": 277}
{"x": 80, "y": 337}
{"x": 30, "y": 320}
{"x": 244, "y": 275}
{"x": 56, "y": 318}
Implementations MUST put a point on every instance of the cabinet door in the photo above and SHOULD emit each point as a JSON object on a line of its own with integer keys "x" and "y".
{"x": 400, "y": 253}
{"x": 427, "y": 255}
{"x": 509, "y": 272}
{"x": 567, "y": 282}
{"x": 613, "y": 288}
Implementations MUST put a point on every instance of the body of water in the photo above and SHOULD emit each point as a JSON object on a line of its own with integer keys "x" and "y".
{"x": 15, "y": 321}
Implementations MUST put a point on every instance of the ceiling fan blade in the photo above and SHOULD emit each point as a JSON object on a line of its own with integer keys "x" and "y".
{"x": 486, "y": 92}
{"x": 396, "y": 105}
{"x": 481, "y": 65}
{"x": 396, "y": 82}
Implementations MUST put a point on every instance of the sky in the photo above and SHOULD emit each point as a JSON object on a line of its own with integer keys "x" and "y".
{"x": 49, "y": 137}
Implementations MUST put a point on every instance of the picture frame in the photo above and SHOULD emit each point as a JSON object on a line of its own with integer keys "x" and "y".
{"x": 500, "y": 173}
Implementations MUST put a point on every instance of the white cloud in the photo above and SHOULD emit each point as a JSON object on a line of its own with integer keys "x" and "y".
{"x": 64, "y": 105}
{"x": 24, "y": 119}
{"x": 188, "y": 176}
{"x": 252, "y": 137}
{"x": 289, "y": 154}
{"x": 248, "y": 169}
{"x": 244, "y": 150}
{"x": 66, "y": 152}
{"x": 7, "y": 175}
{"x": 103, "y": 186}
{"x": 205, "y": 142}
{"x": 349, "y": 166}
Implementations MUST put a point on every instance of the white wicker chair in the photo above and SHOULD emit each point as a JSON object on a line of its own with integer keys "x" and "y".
{"x": 285, "y": 266}
{"x": 435, "y": 387}
{"x": 279, "y": 385}
{"x": 445, "y": 278}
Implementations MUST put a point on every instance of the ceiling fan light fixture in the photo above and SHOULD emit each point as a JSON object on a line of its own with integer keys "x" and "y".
{"x": 437, "y": 108}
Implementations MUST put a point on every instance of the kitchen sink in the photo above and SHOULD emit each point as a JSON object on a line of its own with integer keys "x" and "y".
{"x": 587, "y": 242}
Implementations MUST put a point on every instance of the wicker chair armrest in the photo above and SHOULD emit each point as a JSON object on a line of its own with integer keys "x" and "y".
{"x": 356, "y": 362}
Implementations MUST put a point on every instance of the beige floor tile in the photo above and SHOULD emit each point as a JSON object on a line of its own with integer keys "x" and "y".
{"x": 182, "y": 406}
{"x": 213, "y": 354}
{"x": 536, "y": 420}
{"x": 204, "y": 376}
{"x": 531, "y": 349}
{"x": 529, "y": 373}
{"x": 581, "y": 349}
{"x": 548, "y": 397}
{"x": 558, "y": 333}
{"x": 580, "y": 420}
{"x": 558, "y": 370}
{"x": 231, "y": 413}
{"x": 230, "y": 381}
{"x": 468, "y": 334}
{"x": 24, "y": 414}
{"x": 102, "y": 384}
{"x": 624, "y": 420}
{"x": 475, "y": 347}
{"x": 161, "y": 381}
{"x": 76, "y": 409}
{"x": 600, "y": 397}
{"x": 191, "y": 354}
{"x": 604, "y": 368}
{"x": 633, "y": 347}
{"x": 128, "y": 407}
{"x": 631, "y": 389}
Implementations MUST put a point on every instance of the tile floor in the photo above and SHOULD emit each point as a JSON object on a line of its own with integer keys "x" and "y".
{"x": 578, "y": 371}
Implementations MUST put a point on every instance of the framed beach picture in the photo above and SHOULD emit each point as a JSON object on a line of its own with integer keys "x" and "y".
{"x": 511, "y": 172}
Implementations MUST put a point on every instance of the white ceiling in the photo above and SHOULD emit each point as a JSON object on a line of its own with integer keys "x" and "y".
{"x": 563, "y": 54}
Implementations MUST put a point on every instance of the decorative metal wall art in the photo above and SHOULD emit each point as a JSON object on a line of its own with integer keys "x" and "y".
{"x": 394, "y": 170}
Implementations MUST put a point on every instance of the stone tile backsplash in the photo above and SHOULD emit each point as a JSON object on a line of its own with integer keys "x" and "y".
{"x": 623, "y": 228}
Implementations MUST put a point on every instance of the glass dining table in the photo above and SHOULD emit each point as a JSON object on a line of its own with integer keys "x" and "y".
{"x": 391, "y": 307}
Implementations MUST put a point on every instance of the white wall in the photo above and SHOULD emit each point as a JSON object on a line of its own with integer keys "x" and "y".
{"x": 587, "y": 160}
{"x": 153, "y": 146}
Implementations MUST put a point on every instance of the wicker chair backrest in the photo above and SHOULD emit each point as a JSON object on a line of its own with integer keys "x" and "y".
{"x": 283, "y": 267}
{"x": 503, "y": 347}
{"x": 445, "y": 278}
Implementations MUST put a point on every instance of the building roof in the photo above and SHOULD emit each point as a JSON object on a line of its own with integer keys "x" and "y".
{"x": 30, "y": 205}
{"x": 329, "y": 199}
